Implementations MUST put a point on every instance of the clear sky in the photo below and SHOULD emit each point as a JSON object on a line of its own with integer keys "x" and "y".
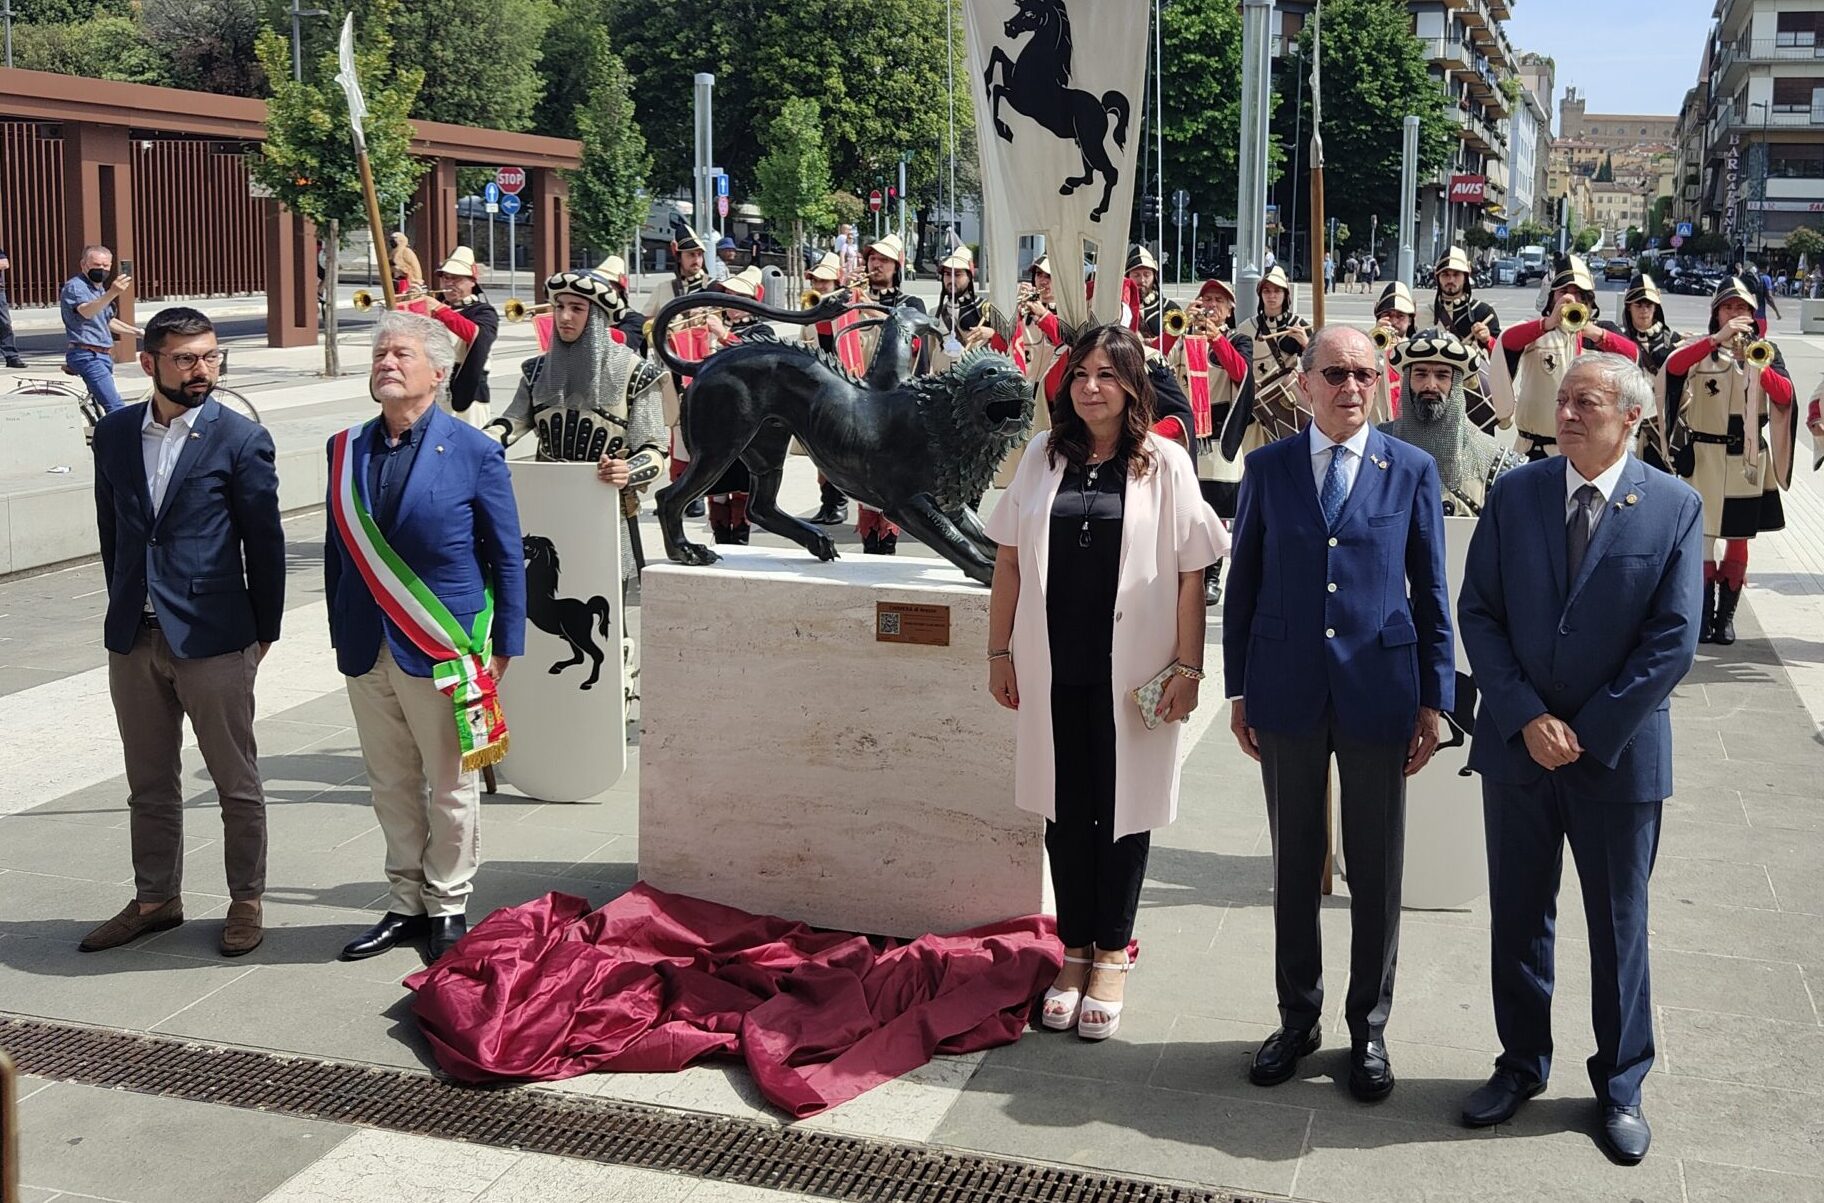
{"x": 1625, "y": 56}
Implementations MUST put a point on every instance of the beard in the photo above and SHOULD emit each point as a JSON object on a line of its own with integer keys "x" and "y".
{"x": 1428, "y": 405}
{"x": 188, "y": 392}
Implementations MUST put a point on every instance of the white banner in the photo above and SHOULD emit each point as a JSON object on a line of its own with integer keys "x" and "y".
{"x": 1060, "y": 86}
{"x": 568, "y": 694}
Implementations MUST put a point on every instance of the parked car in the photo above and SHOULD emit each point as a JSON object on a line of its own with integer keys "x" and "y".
{"x": 1619, "y": 268}
{"x": 1507, "y": 271}
{"x": 1533, "y": 261}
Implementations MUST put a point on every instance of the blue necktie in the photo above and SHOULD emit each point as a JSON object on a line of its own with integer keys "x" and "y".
{"x": 1334, "y": 492}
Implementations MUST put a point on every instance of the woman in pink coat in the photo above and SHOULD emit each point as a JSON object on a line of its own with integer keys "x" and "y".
{"x": 1098, "y": 590}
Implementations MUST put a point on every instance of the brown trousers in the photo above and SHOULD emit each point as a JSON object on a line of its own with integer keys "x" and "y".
{"x": 153, "y": 692}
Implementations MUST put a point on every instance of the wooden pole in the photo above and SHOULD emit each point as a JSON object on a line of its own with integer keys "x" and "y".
{"x": 373, "y": 224}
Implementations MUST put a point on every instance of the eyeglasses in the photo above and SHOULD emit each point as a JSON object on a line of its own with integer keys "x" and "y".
{"x": 1337, "y": 377}
{"x": 185, "y": 360}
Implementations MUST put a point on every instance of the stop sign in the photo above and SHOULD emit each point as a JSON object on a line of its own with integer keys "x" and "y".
{"x": 510, "y": 179}
{"x": 874, "y": 201}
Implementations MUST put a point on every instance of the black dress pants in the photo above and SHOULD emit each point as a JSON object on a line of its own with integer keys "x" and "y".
{"x": 1296, "y": 769}
{"x": 1095, "y": 877}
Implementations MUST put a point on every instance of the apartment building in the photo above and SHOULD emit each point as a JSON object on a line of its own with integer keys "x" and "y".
{"x": 1476, "y": 68}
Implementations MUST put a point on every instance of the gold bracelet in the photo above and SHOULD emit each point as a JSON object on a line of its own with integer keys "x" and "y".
{"x": 1003, "y": 654}
{"x": 1189, "y": 673}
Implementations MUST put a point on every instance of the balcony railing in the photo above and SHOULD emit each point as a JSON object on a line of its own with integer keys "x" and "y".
{"x": 1449, "y": 53}
{"x": 1765, "y": 50}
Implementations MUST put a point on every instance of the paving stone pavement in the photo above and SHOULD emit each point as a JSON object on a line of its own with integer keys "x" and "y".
{"x": 1738, "y": 953}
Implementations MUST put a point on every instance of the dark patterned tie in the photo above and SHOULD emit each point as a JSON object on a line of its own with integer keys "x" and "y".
{"x": 1577, "y": 527}
{"x": 1334, "y": 492}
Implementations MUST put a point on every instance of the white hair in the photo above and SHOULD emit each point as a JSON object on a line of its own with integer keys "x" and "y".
{"x": 1632, "y": 387}
{"x": 438, "y": 343}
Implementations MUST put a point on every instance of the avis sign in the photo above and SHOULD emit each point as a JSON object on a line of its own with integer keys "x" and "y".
{"x": 1468, "y": 189}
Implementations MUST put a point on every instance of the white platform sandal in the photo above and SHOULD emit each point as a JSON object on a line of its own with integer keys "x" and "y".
{"x": 1089, "y": 1029}
{"x": 1069, "y": 1002}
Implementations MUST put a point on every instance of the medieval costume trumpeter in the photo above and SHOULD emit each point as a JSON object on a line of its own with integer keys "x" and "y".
{"x": 840, "y": 338}
{"x": 1643, "y": 322}
{"x": 1395, "y": 319}
{"x": 590, "y": 395}
{"x": 965, "y": 317}
{"x": 1434, "y": 417}
{"x": 1454, "y": 308}
{"x": 1212, "y": 364}
{"x": 1143, "y": 270}
{"x": 690, "y": 341}
{"x": 466, "y": 314}
{"x": 1535, "y": 355}
{"x": 1731, "y": 426}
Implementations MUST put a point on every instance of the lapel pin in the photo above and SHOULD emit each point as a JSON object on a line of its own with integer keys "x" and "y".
{"x": 195, "y": 435}
{"x": 1631, "y": 498}
{"x": 440, "y": 449}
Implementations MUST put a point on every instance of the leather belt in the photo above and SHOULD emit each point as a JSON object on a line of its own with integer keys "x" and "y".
{"x": 1538, "y": 439}
{"x": 148, "y": 619}
{"x": 91, "y": 347}
{"x": 1698, "y": 436}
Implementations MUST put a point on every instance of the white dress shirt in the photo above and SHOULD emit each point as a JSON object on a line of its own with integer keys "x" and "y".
{"x": 161, "y": 445}
{"x": 1357, "y": 445}
{"x": 1606, "y": 484}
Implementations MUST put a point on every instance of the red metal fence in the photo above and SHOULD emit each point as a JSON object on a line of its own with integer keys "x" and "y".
{"x": 197, "y": 231}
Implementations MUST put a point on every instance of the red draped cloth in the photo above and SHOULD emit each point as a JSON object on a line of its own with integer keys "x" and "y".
{"x": 656, "y": 981}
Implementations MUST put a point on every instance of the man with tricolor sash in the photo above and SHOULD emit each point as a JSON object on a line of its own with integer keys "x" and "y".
{"x": 424, "y": 571}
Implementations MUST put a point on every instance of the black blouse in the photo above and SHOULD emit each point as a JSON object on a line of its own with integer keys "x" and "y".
{"x": 1084, "y": 568}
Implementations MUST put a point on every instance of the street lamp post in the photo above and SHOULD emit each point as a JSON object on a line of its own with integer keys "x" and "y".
{"x": 297, "y": 37}
{"x": 6, "y": 16}
{"x": 1298, "y": 130}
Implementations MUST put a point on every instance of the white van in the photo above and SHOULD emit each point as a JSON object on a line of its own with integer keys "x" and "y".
{"x": 1532, "y": 264}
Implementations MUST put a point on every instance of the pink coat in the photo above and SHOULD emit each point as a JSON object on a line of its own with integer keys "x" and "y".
{"x": 1167, "y": 528}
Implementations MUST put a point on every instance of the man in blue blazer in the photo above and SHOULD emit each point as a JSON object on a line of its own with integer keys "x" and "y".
{"x": 1579, "y": 613}
{"x": 187, "y": 508}
{"x": 438, "y": 493}
{"x": 1336, "y": 640}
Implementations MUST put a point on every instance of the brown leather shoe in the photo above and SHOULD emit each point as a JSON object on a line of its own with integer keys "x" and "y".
{"x": 130, "y": 925}
{"x": 242, "y": 932}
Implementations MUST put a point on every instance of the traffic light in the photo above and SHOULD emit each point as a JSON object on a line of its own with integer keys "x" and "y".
{"x": 1149, "y": 207}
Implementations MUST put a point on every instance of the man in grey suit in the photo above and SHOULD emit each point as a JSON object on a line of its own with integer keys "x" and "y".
{"x": 1579, "y": 612}
{"x": 187, "y": 506}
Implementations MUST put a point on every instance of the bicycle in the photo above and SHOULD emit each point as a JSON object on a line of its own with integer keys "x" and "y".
{"x": 90, "y": 408}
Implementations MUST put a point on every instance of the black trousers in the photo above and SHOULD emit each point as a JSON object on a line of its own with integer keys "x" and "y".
{"x": 1295, "y": 769}
{"x": 1095, "y": 877}
{"x": 8, "y": 349}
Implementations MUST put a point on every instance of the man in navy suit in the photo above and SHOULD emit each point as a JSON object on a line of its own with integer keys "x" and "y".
{"x": 187, "y": 506}
{"x": 438, "y": 493}
{"x": 1580, "y": 612}
{"x": 1336, "y": 640}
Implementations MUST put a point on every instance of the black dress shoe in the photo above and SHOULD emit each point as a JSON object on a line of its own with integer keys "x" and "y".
{"x": 1370, "y": 1072}
{"x": 1625, "y": 1134}
{"x": 696, "y": 509}
{"x": 1496, "y": 1100}
{"x": 1277, "y": 1059}
{"x": 445, "y": 931}
{"x": 393, "y": 929}
{"x": 832, "y": 513}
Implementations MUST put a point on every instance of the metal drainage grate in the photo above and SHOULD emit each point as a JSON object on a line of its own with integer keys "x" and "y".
{"x": 723, "y": 1149}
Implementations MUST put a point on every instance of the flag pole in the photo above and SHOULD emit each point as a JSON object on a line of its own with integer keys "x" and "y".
{"x": 357, "y": 111}
{"x": 1317, "y": 173}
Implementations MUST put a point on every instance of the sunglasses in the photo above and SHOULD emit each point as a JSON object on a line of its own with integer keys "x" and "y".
{"x": 1337, "y": 377}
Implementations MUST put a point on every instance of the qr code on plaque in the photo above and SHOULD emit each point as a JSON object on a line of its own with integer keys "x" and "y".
{"x": 889, "y": 622}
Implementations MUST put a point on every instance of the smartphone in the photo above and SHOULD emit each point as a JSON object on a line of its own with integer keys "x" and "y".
{"x": 126, "y": 267}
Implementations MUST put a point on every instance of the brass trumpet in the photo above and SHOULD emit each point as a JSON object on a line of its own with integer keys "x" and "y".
{"x": 1757, "y": 354}
{"x": 516, "y": 310}
{"x": 810, "y": 298}
{"x": 1384, "y": 338}
{"x": 1574, "y": 317}
{"x": 365, "y": 300}
{"x": 1176, "y": 322}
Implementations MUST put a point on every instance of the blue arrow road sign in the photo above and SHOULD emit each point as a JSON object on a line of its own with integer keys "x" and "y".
{"x": 491, "y": 194}
{"x": 722, "y": 185}
{"x": 509, "y": 204}
{"x": 1500, "y": 231}
{"x": 1684, "y": 229}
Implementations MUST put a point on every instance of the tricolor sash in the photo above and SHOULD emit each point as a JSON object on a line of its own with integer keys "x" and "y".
{"x": 459, "y": 658}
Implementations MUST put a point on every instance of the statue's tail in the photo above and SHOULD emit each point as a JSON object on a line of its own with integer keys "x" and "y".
{"x": 1116, "y": 103}
{"x": 830, "y": 307}
{"x": 598, "y": 606}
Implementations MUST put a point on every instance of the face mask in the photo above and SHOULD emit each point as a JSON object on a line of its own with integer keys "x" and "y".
{"x": 96, "y": 274}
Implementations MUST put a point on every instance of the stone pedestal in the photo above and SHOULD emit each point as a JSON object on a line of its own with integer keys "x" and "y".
{"x": 793, "y": 764}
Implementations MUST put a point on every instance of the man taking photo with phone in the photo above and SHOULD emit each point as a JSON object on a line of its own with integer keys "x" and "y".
{"x": 91, "y": 323}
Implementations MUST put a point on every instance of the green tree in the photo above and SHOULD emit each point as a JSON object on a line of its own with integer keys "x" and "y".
{"x": 608, "y": 188}
{"x": 308, "y": 158}
{"x": 1478, "y": 238}
{"x": 564, "y": 64}
{"x": 1605, "y": 174}
{"x": 1531, "y": 233}
{"x": 480, "y": 58}
{"x": 209, "y": 44}
{"x": 1363, "y": 109}
{"x": 105, "y": 46}
{"x": 793, "y": 180}
{"x": 1585, "y": 239}
{"x": 1805, "y": 241}
{"x": 65, "y": 12}
{"x": 1202, "y": 128}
